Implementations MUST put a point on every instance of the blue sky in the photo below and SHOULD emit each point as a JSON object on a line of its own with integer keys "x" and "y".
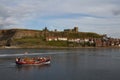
{"x": 100, "y": 16}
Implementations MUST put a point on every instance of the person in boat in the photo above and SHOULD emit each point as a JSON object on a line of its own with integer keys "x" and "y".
{"x": 18, "y": 59}
{"x": 38, "y": 58}
{"x": 26, "y": 59}
{"x": 48, "y": 58}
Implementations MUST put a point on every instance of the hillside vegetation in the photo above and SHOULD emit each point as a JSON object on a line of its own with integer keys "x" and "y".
{"x": 37, "y": 38}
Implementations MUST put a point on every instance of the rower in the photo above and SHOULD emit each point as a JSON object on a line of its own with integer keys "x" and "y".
{"x": 18, "y": 59}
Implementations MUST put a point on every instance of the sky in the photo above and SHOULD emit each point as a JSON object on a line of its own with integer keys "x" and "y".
{"x": 99, "y": 16}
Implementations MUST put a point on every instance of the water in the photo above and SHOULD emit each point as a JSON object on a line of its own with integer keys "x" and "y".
{"x": 66, "y": 64}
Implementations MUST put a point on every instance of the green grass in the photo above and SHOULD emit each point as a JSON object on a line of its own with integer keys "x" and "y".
{"x": 57, "y": 43}
{"x": 37, "y": 42}
{"x": 29, "y": 41}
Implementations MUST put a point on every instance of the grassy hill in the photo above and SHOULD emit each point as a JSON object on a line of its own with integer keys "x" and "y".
{"x": 37, "y": 38}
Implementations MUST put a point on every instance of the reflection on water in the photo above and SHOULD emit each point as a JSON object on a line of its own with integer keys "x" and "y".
{"x": 30, "y": 67}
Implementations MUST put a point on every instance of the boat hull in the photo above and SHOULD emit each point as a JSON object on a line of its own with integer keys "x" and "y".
{"x": 35, "y": 63}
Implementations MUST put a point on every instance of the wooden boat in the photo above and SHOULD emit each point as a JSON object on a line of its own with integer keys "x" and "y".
{"x": 28, "y": 61}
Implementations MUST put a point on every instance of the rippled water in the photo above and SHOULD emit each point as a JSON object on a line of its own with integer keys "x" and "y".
{"x": 66, "y": 64}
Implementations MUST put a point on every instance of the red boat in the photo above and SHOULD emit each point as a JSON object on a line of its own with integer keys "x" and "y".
{"x": 33, "y": 61}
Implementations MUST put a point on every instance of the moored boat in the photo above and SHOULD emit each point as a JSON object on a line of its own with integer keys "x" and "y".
{"x": 33, "y": 61}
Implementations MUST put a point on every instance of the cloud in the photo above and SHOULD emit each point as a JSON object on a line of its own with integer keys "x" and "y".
{"x": 5, "y": 18}
{"x": 100, "y": 16}
{"x": 12, "y": 16}
{"x": 116, "y": 12}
